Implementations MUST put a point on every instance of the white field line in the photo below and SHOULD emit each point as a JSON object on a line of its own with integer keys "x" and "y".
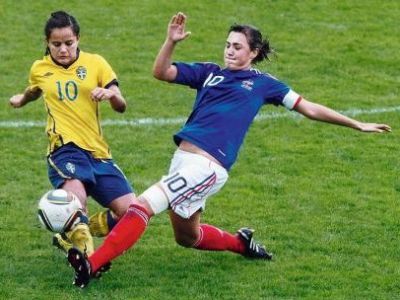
{"x": 181, "y": 120}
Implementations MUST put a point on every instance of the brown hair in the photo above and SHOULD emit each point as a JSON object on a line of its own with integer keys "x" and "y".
{"x": 255, "y": 40}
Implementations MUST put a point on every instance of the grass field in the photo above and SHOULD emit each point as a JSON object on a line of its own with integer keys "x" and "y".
{"x": 324, "y": 199}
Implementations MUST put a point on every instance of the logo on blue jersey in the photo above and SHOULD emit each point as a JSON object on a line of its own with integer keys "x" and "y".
{"x": 81, "y": 72}
{"x": 70, "y": 167}
{"x": 247, "y": 84}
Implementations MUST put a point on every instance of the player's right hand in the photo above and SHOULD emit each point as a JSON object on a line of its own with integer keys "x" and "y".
{"x": 16, "y": 100}
{"x": 176, "y": 28}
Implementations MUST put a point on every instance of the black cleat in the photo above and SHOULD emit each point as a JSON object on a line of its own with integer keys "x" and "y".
{"x": 253, "y": 249}
{"x": 103, "y": 269}
{"x": 81, "y": 265}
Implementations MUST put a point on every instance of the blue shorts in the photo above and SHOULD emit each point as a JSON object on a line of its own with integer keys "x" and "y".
{"x": 103, "y": 179}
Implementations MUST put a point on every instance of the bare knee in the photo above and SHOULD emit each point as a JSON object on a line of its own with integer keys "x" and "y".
{"x": 186, "y": 240}
{"x": 120, "y": 205}
{"x": 187, "y": 231}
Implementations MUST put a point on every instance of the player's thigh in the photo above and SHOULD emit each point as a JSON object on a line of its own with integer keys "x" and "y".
{"x": 111, "y": 185}
{"x": 76, "y": 186}
{"x": 189, "y": 187}
{"x": 70, "y": 162}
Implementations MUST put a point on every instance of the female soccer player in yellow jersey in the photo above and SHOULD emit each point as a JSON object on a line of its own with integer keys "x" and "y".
{"x": 73, "y": 83}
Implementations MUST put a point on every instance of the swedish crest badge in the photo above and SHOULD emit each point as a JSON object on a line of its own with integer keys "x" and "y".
{"x": 81, "y": 72}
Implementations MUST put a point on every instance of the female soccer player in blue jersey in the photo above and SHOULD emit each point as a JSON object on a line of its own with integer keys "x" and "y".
{"x": 227, "y": 101}
{"x": 73, "y": 83}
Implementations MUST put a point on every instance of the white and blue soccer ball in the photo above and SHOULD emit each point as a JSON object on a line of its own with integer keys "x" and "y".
{"x": 59, "y": 210}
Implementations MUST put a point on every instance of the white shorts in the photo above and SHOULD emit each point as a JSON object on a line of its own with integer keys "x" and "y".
{"x": 191, "y": 180}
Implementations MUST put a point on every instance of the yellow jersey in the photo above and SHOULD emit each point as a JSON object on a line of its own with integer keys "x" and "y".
{"x": 72, "y": 115}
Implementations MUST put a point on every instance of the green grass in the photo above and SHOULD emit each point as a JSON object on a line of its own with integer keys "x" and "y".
{"x": 324, "y": 199}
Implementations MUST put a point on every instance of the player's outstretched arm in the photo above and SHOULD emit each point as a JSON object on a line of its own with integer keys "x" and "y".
{"x": 29, "y": 95}
{"x": 163, "y": 68}
{"x": 322, "y": 113}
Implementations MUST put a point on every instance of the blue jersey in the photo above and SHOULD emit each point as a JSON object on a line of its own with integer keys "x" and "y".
{"x": 226, "y": 103}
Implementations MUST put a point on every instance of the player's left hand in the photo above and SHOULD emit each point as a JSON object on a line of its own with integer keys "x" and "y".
{"x": 373, "y": 127}
{"x": 100, "y": 94}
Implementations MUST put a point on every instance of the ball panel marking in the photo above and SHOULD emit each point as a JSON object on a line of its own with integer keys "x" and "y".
{"x": 59, "y": 210}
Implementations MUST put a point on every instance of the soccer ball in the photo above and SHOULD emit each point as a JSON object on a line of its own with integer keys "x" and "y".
{"x": 59, "y": 210}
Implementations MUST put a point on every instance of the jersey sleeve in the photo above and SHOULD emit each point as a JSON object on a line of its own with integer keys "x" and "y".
{"x": 193, "y": 74}
{"x": 278, "y": 93}
{"x": 33, "y": 76}
{"x": 106, "y": 75}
